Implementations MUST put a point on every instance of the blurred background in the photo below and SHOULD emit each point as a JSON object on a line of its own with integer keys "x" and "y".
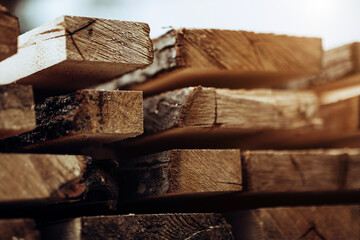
{"x": 333, "y": 20}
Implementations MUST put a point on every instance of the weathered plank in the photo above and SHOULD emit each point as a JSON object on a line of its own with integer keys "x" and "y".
{"x": 9, "y": 32}
{"x": 338, "y": 64}
{"x": 157, "y": 226}
{"x": 288, "y": 223}
{"x": 17, "y": 110}
{"x": 172, "y": 118}
{"x": 223, "y": 58}
{"x": 340, "y": 122}
{"x": 76, "y": 52}
{"x": 181, "y": 171}
{"x": 81, "y": 118}
{"x": 302, "y": 171}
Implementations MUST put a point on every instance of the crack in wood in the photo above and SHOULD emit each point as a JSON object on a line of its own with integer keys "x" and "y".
{"x": 312, "y": 228}
{"x": 297, "y": 168}
{"x": 70, "y": 34}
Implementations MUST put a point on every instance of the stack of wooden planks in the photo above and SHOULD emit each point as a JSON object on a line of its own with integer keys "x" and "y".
{"x": 221, "y": 147}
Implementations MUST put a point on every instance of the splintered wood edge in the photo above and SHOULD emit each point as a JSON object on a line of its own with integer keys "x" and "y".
{"x": 101, "y": 48}
{"x": 17, "y": 110}
{"x": 92, "y": 118}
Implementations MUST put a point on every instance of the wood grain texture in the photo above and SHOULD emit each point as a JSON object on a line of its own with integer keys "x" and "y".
{"x": 181, "y": 171}
{"x": 81, "y": 118}
{"x": 339, "y": 78}
{"x": 302, "y": 171}
{"x": 288, "y": 223}
{"x": 158, "y": 226}
{"x": 14, "y": 229}
{"x": 76, "y": 52}
{"x": 340, "y": 122}
{"x": 38, "y": 177}
{"x": 17, "y": 110}
{"x": 197, "y": 117}
{"x": 223, "y": 58}
{"x": 9, "y": 32}
{"x": 224, "y": 108}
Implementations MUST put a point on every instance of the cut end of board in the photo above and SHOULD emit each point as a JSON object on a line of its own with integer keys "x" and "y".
{"x": 84, "y": 117}
{"x": 77, "y": 52}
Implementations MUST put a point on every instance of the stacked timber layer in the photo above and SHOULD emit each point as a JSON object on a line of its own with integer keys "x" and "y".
{"x": 223, "y": 58}
{"x": 174, "y": 119}
{"x": 92, "y": 168}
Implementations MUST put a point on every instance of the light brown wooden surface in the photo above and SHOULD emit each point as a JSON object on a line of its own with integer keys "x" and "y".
{"x": 82, "y": 118}
{"x": 14, "y": 229}
{"x": 289, "y": 223}
{"x": 157, "y": 226}
{"x": 340, "y": 122}
{"x": 38, "y": 177}
{"x": 339, "y": 78}
{"x": 181, "y": 171}
{"x": 76, "y": 52}
{"x": 240, "y": 109}
{"x": 9, "y": 32}
{"x": 195, "y": 117}
{"x": 223, "y": 58}
{"x": 338, "y": 64}
{"x": 302, "y": 171}
{"x": 17, "y": 110}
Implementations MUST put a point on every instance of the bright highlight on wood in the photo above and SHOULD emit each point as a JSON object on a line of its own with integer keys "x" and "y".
{"x": 77, "y": 52}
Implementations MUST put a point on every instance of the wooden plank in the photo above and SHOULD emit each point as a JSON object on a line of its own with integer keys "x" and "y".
{"x": 302, "y": 171}
{"x": 340, "y": 77}
{"x": 19, "y": 229}
{"x": 76, "y": 52}
{"x": 205, "y": 114}
{"x": 340, "y": 122}
{"x": 157, "y": 226}
{"x": 9, "y": 32}
{"x": 17, "y": 113}
{"x": 37, "y": 177}
{"x": 288, "y": 223}
{"x": 204, "y": 171}
{"x": 45, "y": 179}
{"x": 181, "y": 171}
{"x": 82, "y": 118}
{"x": 223, "y": 58}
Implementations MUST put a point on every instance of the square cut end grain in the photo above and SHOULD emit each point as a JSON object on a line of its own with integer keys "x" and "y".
{"x": 76, "y": 52}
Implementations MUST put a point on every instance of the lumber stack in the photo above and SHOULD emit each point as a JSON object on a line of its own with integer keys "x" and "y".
{"x": 220, "y": 58}
{"x": 221, "y": 147}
